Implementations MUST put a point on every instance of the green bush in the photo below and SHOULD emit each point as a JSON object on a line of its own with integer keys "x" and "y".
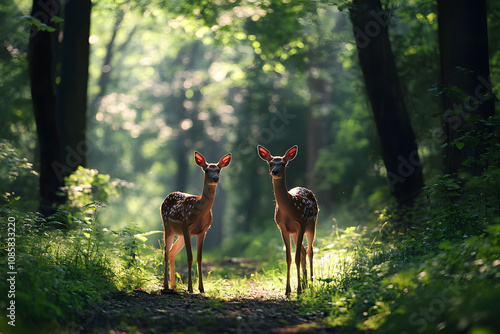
{"x": 61, "y": 273}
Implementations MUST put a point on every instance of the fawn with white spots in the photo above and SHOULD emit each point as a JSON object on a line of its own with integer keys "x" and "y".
{"x": 296, "y": 214}
{"x": 186, "y": 215}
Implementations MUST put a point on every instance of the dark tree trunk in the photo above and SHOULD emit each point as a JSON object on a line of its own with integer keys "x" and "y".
{"x": 398, "y": 142}
{"x": 465, "y": 74}
{"x": 42, "y": 48}
{"x": 72, "y": 95}
{"x": 60, "y": 112}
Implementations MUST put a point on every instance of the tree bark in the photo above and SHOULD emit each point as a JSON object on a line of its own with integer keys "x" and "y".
{"x": 397, "y": 139}
{"x": 465, "y": 75}
{"x": 60, "y": 111}
{"x": 72, "y": 95}
{"x": 42, "y": 48}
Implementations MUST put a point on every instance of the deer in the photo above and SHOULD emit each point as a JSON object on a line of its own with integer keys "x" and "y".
{"x": 295, "y": 214}
{"x": 186, "y": 215}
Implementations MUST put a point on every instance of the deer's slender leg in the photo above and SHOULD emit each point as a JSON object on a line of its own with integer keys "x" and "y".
{"x": 302, "y": 255}
{"x": 189, "y": 251}
{"x": 310, "y": 251}
{"x": 168, "y": 244}
{"x": 286, "y": 240}
{"x": 173, "y": 253}
{"x": 298, "y": 251}
{"x": 199, "y": 250}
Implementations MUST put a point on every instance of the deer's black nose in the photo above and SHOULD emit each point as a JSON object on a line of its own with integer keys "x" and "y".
{"x": 275, "y": 172}
{"x": 215, "y": 178}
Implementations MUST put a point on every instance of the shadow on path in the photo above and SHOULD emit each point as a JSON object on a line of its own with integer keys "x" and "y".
{"x": 140, "y": 312}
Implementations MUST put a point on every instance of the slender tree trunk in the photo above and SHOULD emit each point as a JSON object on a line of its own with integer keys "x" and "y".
{"x": 111, "y": 51}
{"x": 398, "y": 142}
{"x": 465, "y": 74}
{"x": 106, "y": 68}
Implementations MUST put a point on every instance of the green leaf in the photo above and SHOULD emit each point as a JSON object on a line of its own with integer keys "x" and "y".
{"x": 460, "y": 145}
{"x": 445, "y": 245}
{"x": 56, "y": 19}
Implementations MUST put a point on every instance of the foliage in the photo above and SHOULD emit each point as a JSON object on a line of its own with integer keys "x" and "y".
{"x": 456, "y": 290}
{"x": 17, "y": 124}
{"x": 56, "y": 272}
{"x": 61, "y": 274}
{"x": 405, "y": 284}
{"x": 11, "y": 165}
{"x": 89, "y": 186}
{"x": 39, "y": 25}
{"x": 439, "y": 273}
{"x": 16, "y": 175}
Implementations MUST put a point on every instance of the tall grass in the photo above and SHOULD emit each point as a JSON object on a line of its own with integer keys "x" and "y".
{"x": 60, "y": 273}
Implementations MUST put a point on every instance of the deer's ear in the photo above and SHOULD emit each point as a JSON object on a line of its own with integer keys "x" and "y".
{"x": 291, "y": 153}
{"x": 200, "y": 160}
{"x": 224, "y": 161}
{"x": 264, "y": 154}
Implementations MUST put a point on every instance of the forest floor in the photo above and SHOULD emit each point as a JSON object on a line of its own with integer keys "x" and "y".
{"x": 256, "y": 312}
{"x": 250, "y": 310}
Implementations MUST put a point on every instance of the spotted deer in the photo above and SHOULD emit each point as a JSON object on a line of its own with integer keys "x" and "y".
{"x": 186, "y": 215}
{"x": 295, "y": 214}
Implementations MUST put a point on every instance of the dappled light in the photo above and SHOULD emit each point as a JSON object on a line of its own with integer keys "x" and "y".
{"x": 389, "y": 112}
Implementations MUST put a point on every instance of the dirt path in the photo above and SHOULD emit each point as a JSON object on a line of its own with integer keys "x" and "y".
{"x": 252, "y": 311}
{"x": 255, "y": 312}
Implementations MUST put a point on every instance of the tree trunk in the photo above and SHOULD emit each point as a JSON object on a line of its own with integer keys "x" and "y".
{"x": 42, "y": 48}
{"x": 60, "y": 112}
{"x": 465, "y": 74}
{"x": 72, "y": 95}
{"x": 398, "y": 143}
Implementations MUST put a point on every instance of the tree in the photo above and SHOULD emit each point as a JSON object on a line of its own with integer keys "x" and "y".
{"x": 398, "y": 142}
{"x": 59, "y": 110}
{"x": 72, "y": 94}
{"x": 465, "y": 77}
{"x": 41, "y": 60}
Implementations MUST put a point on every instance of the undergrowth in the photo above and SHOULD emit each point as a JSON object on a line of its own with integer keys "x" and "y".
{"x": 62, "y": 265}
{"x": 432, "y": 268}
